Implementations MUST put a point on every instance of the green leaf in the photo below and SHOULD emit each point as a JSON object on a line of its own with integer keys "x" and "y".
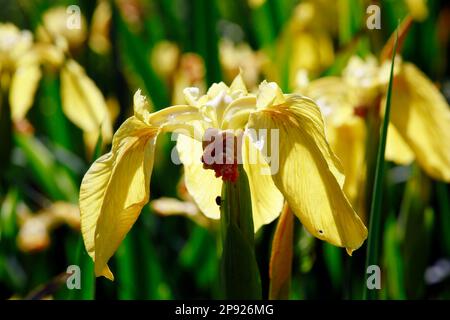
{"x": 79, "y": 256}
{"x": 263, "y": 25}
{"x": 51, "y": 116}
{"x": 351, "y": 13}
{"x": 334, "y": 263}
{"x": 239, "y": 269}
{"x": 204, "y": 36}
{"x": 53, "y": 178}
{"x": 8, "y": 225}
{"x": 5, "y": 132}
{"x": 98, "y": 147}
{"x": 372, "y": 257}
{"x": 393, "y": 260}
{"x": 128, "y": 284}
{"x": 444, "y": 215}
{"x": 135, "y": 54}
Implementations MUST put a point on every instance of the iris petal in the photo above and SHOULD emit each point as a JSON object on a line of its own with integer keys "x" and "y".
{"x": 422, "y": 118}
{"x": 114, "y": 190}
{"x": 306, "y": 173}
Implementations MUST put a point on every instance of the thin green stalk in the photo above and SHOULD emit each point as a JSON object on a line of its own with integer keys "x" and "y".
{"x": 205, "y": 38}
{"x": 87, "y": 291}
{"x": 444, "y": 215}
{"x": 263, "y": 25}
{"x": 239, "y": 270}
{"x": 372, "y": 257}
{"x": 85, "y": 262}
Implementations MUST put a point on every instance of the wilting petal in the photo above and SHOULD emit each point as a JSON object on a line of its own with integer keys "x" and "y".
{"x": 23, "y": 87}
{"x": 114, "y": 190}
{"x": 422, "y": 118}
{"x": 201, "y": 184}
{"x": 267, "y": 200}
{"x": 305, "y": 175}
{"x": 82, "y": 101}
{"x": 396, "y": 148}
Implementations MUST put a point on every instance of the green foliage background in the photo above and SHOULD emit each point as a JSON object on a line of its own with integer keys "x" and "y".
{"x": 172, "y": 257}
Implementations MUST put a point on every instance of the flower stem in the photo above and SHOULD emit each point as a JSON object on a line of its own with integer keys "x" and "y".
{"x": 239, "y": 269}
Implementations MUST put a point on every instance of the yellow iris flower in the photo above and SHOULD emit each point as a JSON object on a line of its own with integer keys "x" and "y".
{"x": 19, "y": 68}
{"x": 20, "y": 72}
{"x": 306, "y": 43}
{"x": 309, "y": 178}
{"x": 419, "y": 122}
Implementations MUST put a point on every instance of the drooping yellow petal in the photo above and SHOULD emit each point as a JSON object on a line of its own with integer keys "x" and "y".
{"x": 82, "y": 102}
{"x": 267, "y": 200}
{"x": 422, "y": 118}
{"x": 23, "y": 87}
{"x": 305, "y": 176}
{"x": 114, "y": 190}
{"x": 345, "y": 132}
{"x": 396, "y": 148}
{"x": 201, "y": 184}
{"x": 347, "y": 141}
{"x": 280, "y": 268}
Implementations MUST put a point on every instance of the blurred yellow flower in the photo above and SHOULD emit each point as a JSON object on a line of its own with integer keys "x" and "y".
{"x": 419, "y": 122}
{"x": 55, "y": 25}
{"x": 190, "y": 73}
{"x": 35, "y": 228}
{"x": 186, "y": 207}
{"x": 20, "y": 72}
{"x": 235, "y": 58}
{"x": 164, "y": 58}
{"x": 83, "y": 103}
{"x": 309, "y": 177}
{"x": 100, "y": 28}
{"x": 19, "y": 68}
{"x": 306, "y": 43}
{"x": 418, "y": 9}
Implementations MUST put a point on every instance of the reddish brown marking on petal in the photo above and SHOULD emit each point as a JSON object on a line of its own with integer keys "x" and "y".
{"x": 226, "y": 169}
{"x": 360, "y": 111}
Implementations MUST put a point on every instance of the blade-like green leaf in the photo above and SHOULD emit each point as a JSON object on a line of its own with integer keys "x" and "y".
{"x": 240, "y": 273}
{"x": 372, "y": 257}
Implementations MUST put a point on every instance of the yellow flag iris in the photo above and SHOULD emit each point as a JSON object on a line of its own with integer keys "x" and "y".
{"x": 419, "y": 122}
{"x": 309, "y": 176}
{"x": 19, "y": 68}
{"x": 20, "y": 72}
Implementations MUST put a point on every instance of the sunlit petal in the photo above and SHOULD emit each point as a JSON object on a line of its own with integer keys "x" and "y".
{"x": 267, "y": 200}
{"x": 397, "y": 150}
{"x": 114, "y": 190}
{"x": 269, "y": 94}
{"x": 23, "y": 87}
{"x": 305, "y": 176}
{"x": 422, "y": 118}
{"x": 201, "y": 184}
{"x": 348, "y": 140}
{"x": 82, "y": 102}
